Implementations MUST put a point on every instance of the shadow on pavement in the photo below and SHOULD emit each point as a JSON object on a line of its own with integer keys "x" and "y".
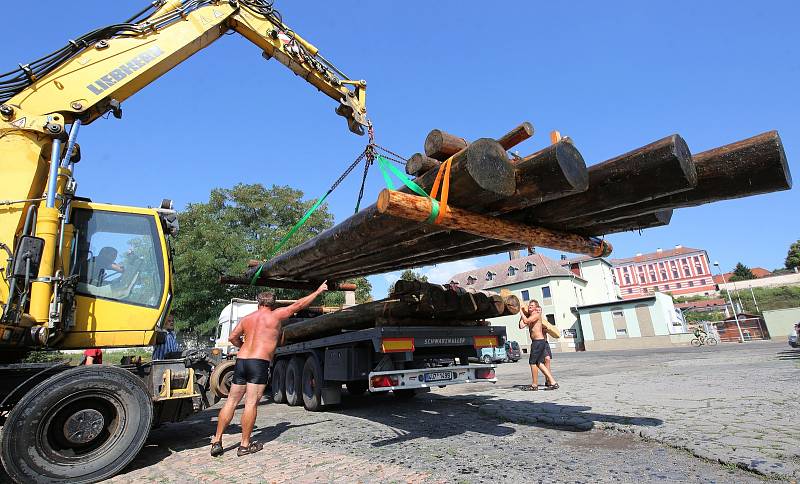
{"x": 197, "y": 432}
{"x": 789, "y": 355}
{"x": 440, "y": 417}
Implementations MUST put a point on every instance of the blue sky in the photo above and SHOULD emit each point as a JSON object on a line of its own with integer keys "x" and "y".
{"x": 611, "y": 75}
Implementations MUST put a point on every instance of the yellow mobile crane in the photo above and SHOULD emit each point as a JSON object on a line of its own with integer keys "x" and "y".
{"x": 82, "y": 274}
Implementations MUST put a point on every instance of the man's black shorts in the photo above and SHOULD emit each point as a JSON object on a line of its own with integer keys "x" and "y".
{"x": 250, "y": 370}
{"x": 539, "y": 350}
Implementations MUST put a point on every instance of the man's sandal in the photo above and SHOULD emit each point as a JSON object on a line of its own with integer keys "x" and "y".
{"x": 530, "y": 388}
{"x": 250, "y": 449}
{"x": 551, "y": 387}
{"x": 216, "y": 449}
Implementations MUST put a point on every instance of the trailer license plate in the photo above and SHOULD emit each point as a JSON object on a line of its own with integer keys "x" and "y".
{"x": 438, "y": 376}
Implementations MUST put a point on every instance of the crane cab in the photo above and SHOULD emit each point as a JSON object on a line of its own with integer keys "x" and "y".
{"x": 122, "y": 262}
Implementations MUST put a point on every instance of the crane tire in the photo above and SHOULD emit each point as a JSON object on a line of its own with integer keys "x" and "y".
{"x": 82, "y": 425}
{"x": 220, "y": 380}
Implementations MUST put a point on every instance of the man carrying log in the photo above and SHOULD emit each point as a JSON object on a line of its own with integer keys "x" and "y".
{"x": 256, "y": 336}
{"x": 540, "y": 350}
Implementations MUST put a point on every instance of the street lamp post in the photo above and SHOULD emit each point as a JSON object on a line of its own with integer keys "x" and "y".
{"x": 735, "y": 316}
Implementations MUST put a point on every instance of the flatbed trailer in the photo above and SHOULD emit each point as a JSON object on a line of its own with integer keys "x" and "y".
{"x": 405, "y": 360}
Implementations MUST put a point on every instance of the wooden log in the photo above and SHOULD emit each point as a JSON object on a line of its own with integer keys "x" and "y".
{"x": 441, "y": 145}
{"x": 552, "y": 173}
{"x": 480, "y": 174}
{"x": 415, "y": 208}
{"x": 638, "y": 222}
{"x": 419, "y": 164}
{"x": 658, "y": 169}
{"x": 516, "y": 136}
{"x": 751, "y": 166}
{"x": 286, "y": 283}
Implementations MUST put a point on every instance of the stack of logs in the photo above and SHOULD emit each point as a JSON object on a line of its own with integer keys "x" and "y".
{"x": 411, "y": 303}
{"x": 548, "y": 198}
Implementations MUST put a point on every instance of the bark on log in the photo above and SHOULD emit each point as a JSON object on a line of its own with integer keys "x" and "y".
{"x": 309, "y": 284}
{"x": 658, "y": 169}
{"x": 418, "y": 209}
{"x": 748, "y": 167}
{"x": 441, "y": 145}
{"x": 420, "y": 164}
{"x": 516, "y": 136}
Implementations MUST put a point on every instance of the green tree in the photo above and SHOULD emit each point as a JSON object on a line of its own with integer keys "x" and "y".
{"x": 219, "y": 236}
{"x": 741, "y": 273}
{"x": 793, "y": 256}
{"x": 409, "y": 275}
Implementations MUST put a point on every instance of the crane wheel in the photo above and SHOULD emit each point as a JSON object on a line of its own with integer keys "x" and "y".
{"x": 82, "y": 425}
{"x": 221, "y": 377}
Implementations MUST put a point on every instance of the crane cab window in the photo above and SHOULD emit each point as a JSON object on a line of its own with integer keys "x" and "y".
{"x": 118, "y": 257}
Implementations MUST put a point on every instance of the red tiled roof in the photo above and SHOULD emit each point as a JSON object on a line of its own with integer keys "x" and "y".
{"x": 759, "y": 272}
{"x": 541, "y": 266}
{"x": 657, "y": 255}
{"x": 701, "y": 304}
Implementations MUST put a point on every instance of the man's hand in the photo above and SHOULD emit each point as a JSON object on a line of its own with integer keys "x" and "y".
{"x": 323, "y": 287}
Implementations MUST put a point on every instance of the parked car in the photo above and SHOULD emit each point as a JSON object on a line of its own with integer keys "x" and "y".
{"x": 794, "y": 336}
{"x": 492, "y": 355}
{"x": 513, "y": 353}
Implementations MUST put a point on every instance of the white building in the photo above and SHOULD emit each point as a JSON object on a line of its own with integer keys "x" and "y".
{"x": 558, "y": 286}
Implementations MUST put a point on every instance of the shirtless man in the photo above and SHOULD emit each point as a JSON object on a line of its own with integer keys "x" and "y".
{"x": 532, "y": 318}
{"x": 256, "y": 336}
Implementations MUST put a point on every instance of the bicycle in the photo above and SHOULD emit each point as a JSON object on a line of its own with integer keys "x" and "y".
{"x": 704, "y": 340}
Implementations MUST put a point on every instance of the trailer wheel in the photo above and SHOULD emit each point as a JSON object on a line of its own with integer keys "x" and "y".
{"x": 84, "y": 424}
{"x": 357, "y": 387}
{"x": 294, "y": 382}
{"x": 312, "y": 384}
{"x": 278, "y": 385}
{"x": 221, "y": 378}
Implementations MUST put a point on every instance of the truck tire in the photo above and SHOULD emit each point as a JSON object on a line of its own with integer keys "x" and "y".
{"x": 358, "y": 387}
{"x": 221, "y": 377}
{"x": 278, "y": 385}
{"x": 294, "y": 381}
{"x": 312, "y": 384}
{"x": 82, "y": 425}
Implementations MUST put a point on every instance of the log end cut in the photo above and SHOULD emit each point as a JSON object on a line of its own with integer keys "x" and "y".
{"x": 681, "y": 151}
{"x": 488, "y": 165}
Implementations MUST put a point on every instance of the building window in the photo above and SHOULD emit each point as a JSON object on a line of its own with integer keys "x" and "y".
{"x": 663, "y": 275}
{"x": 686, "y": 271}
{"x": 698, "y": 268}
{"x": 653, "y": 277}
{"x": 678, "y": 285}
{"x": 512, "y": 271}
{"x": 617, "y": 314}
{"x": 526, "y": 296}
{"x": 528, "y": 267}
{"x": 625, "y": 270}
{"x": 702, "y": 282}
{"x": 691, "y": 283}
{"x": 490, "y": 275}
{"x": 666, "y": 287}
{"x": 622, "y": 331}
{"x": 545, "y": 292}
{"x": 675, "y": 274}
{"x": 627, "y": 279}
{"x": 630, "y": 291}
{"x": 471, "y": 280}
{"x": 551, "y": 318}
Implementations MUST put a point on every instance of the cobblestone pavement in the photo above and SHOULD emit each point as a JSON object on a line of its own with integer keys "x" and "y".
{"x": 728, "y": 404}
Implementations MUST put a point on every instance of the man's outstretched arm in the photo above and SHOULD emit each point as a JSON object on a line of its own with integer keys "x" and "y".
{"x": 302, "y": 303}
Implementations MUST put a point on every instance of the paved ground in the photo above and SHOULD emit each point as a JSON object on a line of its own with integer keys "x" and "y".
{"x": 730, "y": 404}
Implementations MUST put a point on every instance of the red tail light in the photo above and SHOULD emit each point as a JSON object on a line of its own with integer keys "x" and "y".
{"x": 484, "y": 373}
{"x": 384, "y": 381}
